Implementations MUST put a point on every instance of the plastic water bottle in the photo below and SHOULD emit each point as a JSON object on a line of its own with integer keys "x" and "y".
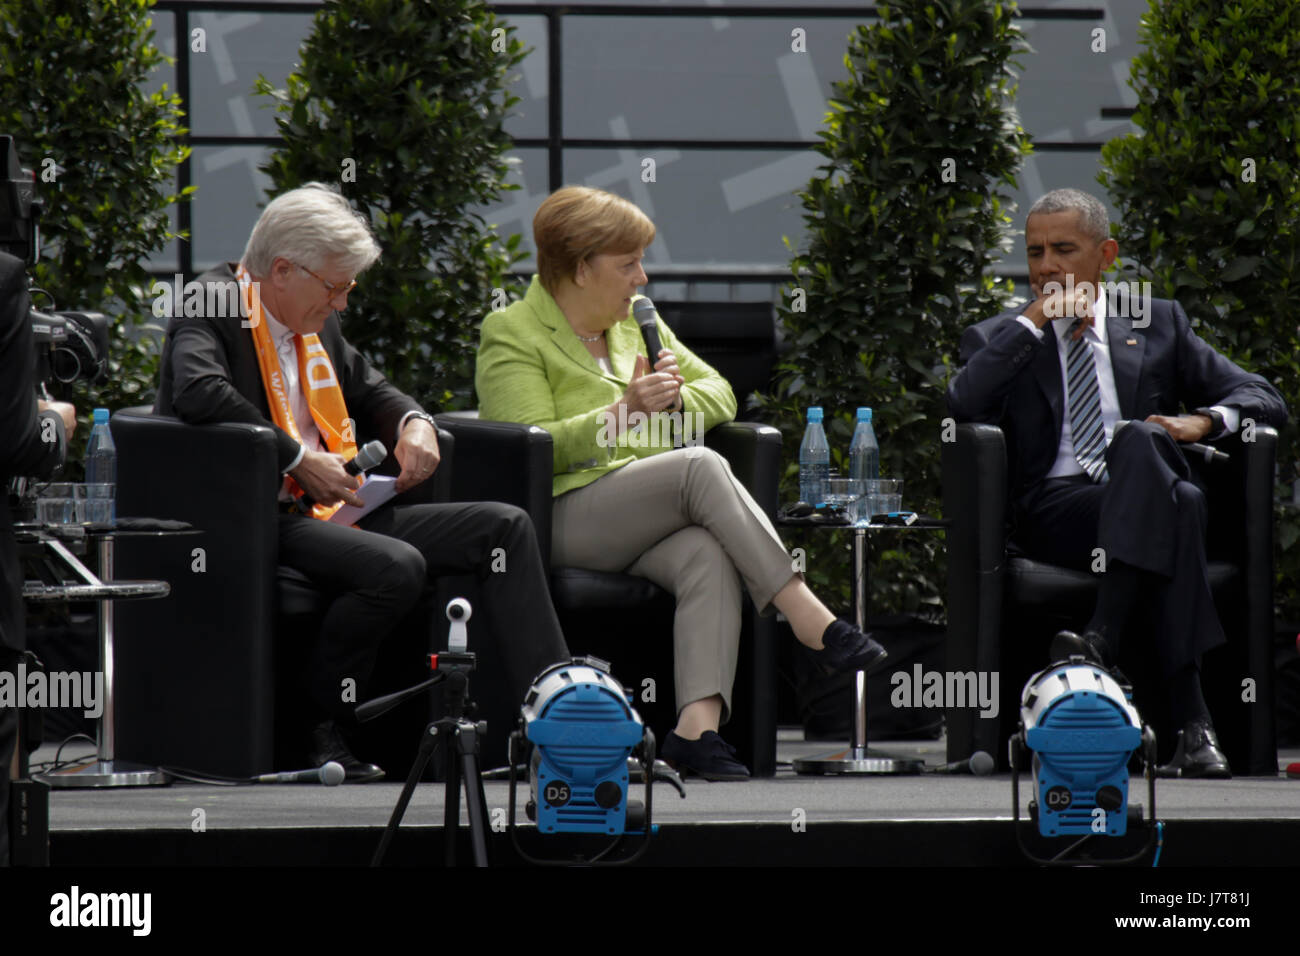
{"x": 101, "y": 458}
{"x": 864, "y": 452}
{"x": 814, "y": 460}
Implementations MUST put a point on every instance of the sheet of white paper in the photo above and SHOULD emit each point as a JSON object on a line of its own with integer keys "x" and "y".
{"x": 377, "y": 490}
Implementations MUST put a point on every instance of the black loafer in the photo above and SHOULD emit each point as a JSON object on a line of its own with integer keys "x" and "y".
{"x": 1197, "y": 756}
{"x": 1089, "y": 645}
{"x": 327, "y": 744}
{"x": 848, "y": 649}
{"x": 710, "y": 757}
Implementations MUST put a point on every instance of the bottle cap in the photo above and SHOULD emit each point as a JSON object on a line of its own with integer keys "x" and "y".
{"x": 814, "y": 415}
{"x": 864, "y": 414}
{"x": 101, "y": 416}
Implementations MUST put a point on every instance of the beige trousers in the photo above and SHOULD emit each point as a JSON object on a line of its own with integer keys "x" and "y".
{"x": 682, "y": 520}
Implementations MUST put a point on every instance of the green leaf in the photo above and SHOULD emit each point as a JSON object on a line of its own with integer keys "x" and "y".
{"x": 1240, "y": 268}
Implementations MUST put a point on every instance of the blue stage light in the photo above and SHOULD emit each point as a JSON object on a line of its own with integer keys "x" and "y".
{"x": 583, "y": 729}
{"x": 1082, "y": 730}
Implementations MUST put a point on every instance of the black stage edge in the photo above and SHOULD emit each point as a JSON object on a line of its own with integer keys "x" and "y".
{"x": 919, "y": 843}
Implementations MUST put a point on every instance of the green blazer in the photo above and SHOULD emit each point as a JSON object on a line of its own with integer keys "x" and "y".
{"x": 533, "y": 369}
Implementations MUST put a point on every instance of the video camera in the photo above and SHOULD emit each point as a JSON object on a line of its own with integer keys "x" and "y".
{"x": 70, "y": 346}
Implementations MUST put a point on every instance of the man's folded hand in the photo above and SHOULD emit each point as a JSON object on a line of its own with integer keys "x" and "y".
{"x": 1184, "y": 427}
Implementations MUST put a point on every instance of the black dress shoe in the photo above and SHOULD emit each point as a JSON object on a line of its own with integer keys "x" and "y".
{"x": 847, "y": 649}
{"x": 327, "y": 744}
{"x": 1089, "y": 645}
{"x": 710, "y": 757}
{"x": 1197, "y": 755}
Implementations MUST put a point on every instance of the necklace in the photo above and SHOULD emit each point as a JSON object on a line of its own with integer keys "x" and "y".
{"x": 589, "y": 338}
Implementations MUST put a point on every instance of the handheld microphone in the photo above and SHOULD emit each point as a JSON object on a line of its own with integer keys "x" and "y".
{"x": 979, "y": 763}
{"x": 645, "y": 315}
{"x": 1206, "y": 453}
{"x": 370, "y": 456}
{"x": 331, "y": 774}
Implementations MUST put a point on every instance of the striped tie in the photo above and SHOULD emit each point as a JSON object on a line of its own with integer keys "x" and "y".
{"x": 1085, "y": 409}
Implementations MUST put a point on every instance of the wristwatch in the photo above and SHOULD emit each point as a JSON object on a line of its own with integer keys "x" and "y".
{"x": 1217, "y": 424}
{"x": 421, "y": 415}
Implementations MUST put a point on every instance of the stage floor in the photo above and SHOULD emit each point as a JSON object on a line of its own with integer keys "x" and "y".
{"x": 774, "y": 800}
{"x": 879, "y": 820}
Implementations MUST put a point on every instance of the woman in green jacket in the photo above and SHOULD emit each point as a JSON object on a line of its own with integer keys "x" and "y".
{"x": 569, "y": 358}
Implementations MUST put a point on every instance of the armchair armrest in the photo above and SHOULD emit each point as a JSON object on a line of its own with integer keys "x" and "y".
{"x": 503, "y": 461}
{"x": 754, "y": 452}
{"x": 1257, "y": 491}
{"x": 1257, "y": 570}
{"x": 213, "y": 476}
{"x": 975, "y": 503}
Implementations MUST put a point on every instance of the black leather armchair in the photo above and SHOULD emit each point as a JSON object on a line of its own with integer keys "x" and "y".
{"x": 511, "y": 462}
{"x": 205, "y": 678}
{"x": 1004, "y": 607}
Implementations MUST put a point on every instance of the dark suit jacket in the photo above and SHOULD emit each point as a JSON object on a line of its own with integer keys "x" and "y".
{"x": 23, "y": 450}
{"x": 1011, "y": 379}
{"x": 209, "y": 373}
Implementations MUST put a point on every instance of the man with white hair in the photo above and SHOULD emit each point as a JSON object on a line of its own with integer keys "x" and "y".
{"x": 280, "y": 360}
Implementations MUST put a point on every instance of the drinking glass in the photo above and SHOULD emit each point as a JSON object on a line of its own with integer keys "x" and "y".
{"x": 56, "y": 503}
{"x": 844, "y": 495}
{"x": 882, "y": 495}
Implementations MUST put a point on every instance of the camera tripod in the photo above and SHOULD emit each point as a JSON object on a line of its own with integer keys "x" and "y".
{"x": 461, "y": 758}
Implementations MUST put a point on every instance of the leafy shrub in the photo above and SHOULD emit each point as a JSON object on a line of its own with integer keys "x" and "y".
{"x": 1210, "y": 198}
{"x": 73, "y": 73}
{"x": 905, "y": 221}
{"x": 403, "y": 103}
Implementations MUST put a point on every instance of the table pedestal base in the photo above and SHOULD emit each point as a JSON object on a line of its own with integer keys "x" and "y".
{"x": 105, "y": 773}
{"x": 859, "y": 760}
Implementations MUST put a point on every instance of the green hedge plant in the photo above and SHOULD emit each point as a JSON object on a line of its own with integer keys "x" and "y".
{"x": 104, "y": 153}
{"x": 402, "y": 105}
{"x": 1209, "y": 198}
{"x": 904, "y": 222}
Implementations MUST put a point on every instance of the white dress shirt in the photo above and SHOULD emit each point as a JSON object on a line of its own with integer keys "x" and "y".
{"x": 1066, "y": 463}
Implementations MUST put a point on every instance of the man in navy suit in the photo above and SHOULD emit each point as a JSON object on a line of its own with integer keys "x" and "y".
{"x": 1057, "y": 377}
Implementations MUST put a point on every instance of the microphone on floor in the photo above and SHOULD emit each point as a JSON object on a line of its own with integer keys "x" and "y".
{"x": 331, "y": 774}
{"x": 980, "y": 764}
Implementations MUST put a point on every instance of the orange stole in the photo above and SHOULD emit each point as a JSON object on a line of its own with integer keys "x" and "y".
{"x": 317, "y": 379}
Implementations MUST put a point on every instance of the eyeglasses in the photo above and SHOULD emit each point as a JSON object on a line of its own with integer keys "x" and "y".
{"x": 333, "y": 290}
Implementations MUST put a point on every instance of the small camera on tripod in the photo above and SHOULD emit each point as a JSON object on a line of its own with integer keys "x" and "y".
{"x": 71, "y": 346}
